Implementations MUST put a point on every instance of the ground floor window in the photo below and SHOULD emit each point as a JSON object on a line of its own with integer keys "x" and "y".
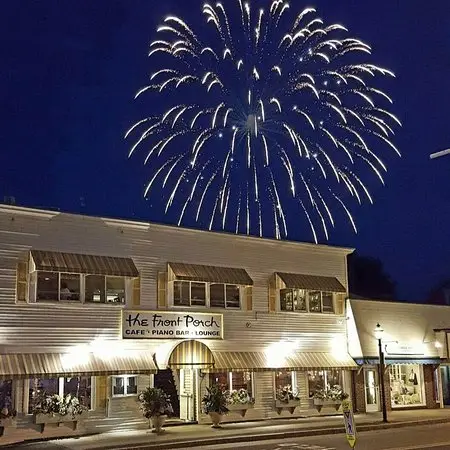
{"x": 323, "y": 380}
{"x": 286, "y": 385}
{"x": 80, "y": 387}
{"x": 233, "y": 381}
{"x": 124, "y": 385}
{"x": 6, "y": 401}
{"x": 406, "y": 382}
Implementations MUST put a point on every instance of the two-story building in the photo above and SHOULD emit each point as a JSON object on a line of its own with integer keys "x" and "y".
{"x": 102, "y": 308}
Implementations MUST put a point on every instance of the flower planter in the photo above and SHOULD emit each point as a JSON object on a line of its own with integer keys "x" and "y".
{"x": 71, "y": 420}
{"x": 289, "y": 405}
{"x": 9, "y": 422}
{"x": 240, "y": 408}
{"x": 157, "y": 423}
{"x": 216, "y": 418}
{"x": 319, "y": 404}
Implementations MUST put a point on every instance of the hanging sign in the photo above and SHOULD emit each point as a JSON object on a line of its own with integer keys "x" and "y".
{"x": 350, "y": 429}
{"x": 171, "y": 325}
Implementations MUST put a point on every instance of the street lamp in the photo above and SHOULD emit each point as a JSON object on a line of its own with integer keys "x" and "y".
{"x": 379, "y": 334}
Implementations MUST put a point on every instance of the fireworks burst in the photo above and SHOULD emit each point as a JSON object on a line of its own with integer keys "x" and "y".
{"x": 267, "y": 114}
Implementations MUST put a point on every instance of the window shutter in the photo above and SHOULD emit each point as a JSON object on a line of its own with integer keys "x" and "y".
{"x": 339, "y": 304}
{"x": 272, "y": 294}
{"x": 136, "y": 299}
{"x": 21, "y": 281}
{"x": 248, "y": 290}
{"x": 101, "y": 388}
{"x": 162, "y": 289}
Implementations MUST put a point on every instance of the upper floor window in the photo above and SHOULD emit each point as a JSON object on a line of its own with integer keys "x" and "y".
{"x": 301, "y": 300}
{"x": 71, "y": 287}
{"x": 214, "y": 295}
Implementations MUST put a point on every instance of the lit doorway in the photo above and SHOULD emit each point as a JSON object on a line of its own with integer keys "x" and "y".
{"x": 372, "y": 391}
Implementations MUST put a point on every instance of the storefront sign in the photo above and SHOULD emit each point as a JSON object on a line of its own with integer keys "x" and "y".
{"x": 171, "y": 325}
{"x": 401, "y": 349}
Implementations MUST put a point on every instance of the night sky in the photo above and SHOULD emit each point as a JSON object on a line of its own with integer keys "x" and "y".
{"x": 70, "y": 71}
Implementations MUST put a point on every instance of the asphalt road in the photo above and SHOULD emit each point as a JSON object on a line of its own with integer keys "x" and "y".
{"x": 432, "y": 437}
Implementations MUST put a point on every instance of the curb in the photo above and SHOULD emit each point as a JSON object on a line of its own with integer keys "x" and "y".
{"x": 194, "y": 442}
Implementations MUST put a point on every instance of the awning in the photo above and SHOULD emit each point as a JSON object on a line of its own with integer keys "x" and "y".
{"x": 214, "y": 274}
{"x": 191, "y": 355}
{"x": 311, "y": 282}
{"x": 78, "y": 263}
{"x": 390, "y": 361}
{"x": 261, "y": 362}
{"x": 50, "y": 365}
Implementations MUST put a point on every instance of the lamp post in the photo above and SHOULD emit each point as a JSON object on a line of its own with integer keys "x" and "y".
{"x": 379, "y": 334}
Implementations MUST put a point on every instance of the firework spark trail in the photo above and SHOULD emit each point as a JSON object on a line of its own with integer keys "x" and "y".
{"x": 285, "y": 118}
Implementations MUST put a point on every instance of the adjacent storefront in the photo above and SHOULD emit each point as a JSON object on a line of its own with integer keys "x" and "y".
{"x": 413, "y": 352}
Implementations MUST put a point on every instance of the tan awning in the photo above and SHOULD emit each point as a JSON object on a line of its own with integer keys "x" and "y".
{"x": 311, "y": 282}
{"x": 78, "y": 263}
{"x": 191, "y": 355}
{"x": 50, "y": 365}
{"x": 196, "y": 272}
{"x": 261, "y": 362}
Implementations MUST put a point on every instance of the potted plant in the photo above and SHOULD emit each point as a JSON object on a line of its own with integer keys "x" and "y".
{"x": 240, "y": 401}
{"x": 156, "y": 406}
{"x": 214, "y": 403}
{"x": 286, "y": 398}
{"x": 57, "y": 409}
{"x": 7, "y": 412}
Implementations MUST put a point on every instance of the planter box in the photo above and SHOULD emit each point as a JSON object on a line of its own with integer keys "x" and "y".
{"x": 240, "y": 408}
{"x": 58, "y": 419}
{"x": 9, "y": 422}
{"x": 290, "y": 405}
{"x": 319, "y": 404}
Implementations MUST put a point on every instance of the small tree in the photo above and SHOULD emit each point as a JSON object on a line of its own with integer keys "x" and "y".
{"x": 155, "y": 402}
{"x": 215, "y": 400}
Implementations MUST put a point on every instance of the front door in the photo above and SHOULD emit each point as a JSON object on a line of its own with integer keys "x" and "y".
{"x": 371, "y": 390}
{"x": 445, "y": 380}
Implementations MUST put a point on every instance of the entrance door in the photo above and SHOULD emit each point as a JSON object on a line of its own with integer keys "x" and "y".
{"x": 165, "y": 381}
{"x": 371, "y": 390}
{"x": 445, "y": 380}
{"x": 187, "y": 394}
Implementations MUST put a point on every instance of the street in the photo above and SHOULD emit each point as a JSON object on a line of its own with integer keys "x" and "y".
{"x": 435, "y": 437}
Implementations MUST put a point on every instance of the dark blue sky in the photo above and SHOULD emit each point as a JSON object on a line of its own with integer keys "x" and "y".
{"x": 70, "y": 70}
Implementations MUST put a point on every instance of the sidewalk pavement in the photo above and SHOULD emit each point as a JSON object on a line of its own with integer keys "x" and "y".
{"x": 185, "y": 436}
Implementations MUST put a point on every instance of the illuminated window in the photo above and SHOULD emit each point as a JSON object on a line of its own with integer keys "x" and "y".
{"x": 124, "y": 385}
{"x": 319, "y": 380}
{"x": 80, "y": 387}
{"x": 300, "y": 300}
{"x": 233, "y": 381}
{"x": 406, "y": 382}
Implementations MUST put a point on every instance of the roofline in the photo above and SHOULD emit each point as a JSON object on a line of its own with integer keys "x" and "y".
{"x": 395, "y": 302}
{"x": 138, "y": 224}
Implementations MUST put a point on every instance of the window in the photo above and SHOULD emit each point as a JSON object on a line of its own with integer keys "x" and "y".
{"x": 300, "y": 300}
{"x": 323, "y": 380}
{"x": 233, "y": 381}
{"x": 198, "y": 294}
{"x": 70, "y": 287}
{"x": 286, "y": 385}
{"x": 47, "y": 286}
{"x": 124, "y": 385}
{"x": 115, "y": 289}
{"x": 224, "y": 295}
{"x": 80, "y": 387}
{"x": 214, "y": 295}
{"x": 6, "y": 395}
{"x": 406, "y": 382}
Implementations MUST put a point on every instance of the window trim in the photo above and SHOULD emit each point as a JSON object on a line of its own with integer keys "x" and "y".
{"x": 207, "y": 295}
{"x": 308, "y": 309}
{"x": 124, "y": 377}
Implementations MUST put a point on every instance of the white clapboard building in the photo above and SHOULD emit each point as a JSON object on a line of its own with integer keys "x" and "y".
{"x": 102, "y": 308}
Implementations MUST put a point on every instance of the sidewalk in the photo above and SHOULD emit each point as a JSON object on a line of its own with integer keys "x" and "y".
{"x": 185, "y": 436}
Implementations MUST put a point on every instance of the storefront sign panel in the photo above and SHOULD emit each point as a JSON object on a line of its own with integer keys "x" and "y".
{"x": 403, "y": 349}
{"x": 171, "y": 325}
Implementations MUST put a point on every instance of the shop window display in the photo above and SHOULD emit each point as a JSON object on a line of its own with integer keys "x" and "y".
{"x": 406, "y": 383}
{"x": 323, "y": 380}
